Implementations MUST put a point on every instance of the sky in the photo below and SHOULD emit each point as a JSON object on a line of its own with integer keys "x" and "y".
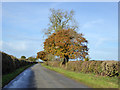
{"x": 23, "y": 27}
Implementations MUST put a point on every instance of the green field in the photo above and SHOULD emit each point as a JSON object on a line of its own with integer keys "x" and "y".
{"x": 8, "y": 77}
{"x": 90, "y": 79}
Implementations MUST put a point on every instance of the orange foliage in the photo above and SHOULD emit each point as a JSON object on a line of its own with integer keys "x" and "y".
{"x": 66, "y": 43}
{"x": 42, "y": 55}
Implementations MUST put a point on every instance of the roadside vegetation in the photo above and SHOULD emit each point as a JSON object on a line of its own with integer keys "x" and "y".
{"x": 90, "y": 79}
{"x": 12, "y": 66}
{"x": 64, "y": 42}
{"x": 100, "y": 68}
{"x": 8, "y": 77}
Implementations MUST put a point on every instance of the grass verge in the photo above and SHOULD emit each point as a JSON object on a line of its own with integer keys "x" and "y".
{"x": 8, "y": 77}
{"x": 91, "y": 80}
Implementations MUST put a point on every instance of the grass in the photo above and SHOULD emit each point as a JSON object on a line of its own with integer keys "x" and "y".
{"x": 91, "y": 80}
{"x": 8, "y": 77}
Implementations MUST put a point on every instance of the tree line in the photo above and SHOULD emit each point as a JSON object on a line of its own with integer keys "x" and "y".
{"x": 32, "y": 58}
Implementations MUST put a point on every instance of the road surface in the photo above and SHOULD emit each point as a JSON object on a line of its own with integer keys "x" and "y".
{"x": 41, "y": 77}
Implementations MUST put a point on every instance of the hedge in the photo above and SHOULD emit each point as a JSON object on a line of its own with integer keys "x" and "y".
{"x": 11, "y": 63}
{"x": 103, "y": 68}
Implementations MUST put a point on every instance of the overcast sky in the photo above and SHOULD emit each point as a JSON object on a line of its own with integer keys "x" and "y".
{"x": 23, "y": 27}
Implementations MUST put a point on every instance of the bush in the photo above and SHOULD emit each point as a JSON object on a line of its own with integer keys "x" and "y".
{"x": 74, "y": 65}
{"x": 104, "y": 68}
{"x": 110, "y": 68}
{"x": 7, "y": 64}
{"x": 11, "y": 63}
{"x": 85, "y": 66}
{"x": 98, "y": 67}
{"x": 23, "y": 57}
{"x": 86, "y": 59}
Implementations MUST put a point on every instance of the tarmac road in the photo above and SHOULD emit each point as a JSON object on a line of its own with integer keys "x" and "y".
{"x": 41, "y": 77}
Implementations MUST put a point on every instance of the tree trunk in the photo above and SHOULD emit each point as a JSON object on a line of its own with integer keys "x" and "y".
{"x": 66, "y": 59}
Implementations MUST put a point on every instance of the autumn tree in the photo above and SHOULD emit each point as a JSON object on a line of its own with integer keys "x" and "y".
{"x": 67, "y": 44}
{"x": 42, "y": 55}
{"x": 60, "y": 19}
{"x": 50, "y": 57}
{"x": 32, "y": 58}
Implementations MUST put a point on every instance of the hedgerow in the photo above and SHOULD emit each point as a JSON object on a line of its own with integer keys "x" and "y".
{"x": 11, "y": 63}
{"x": 103, "y": 68}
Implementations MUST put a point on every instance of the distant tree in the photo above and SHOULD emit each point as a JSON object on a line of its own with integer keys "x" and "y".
{"x": 46, "y": 57}
{"x": 42, "y": 55}
{"x": 50, "y": 57}
{"x": 60, "y": 19}
{"x": 23, "y": 57}
{"x": 66, "y": 44}
{"x": 32, "y": 58}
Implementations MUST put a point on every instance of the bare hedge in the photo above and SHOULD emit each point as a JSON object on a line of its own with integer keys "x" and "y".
{"x": 11, "y": 63}
{"x": 103, "y": 68}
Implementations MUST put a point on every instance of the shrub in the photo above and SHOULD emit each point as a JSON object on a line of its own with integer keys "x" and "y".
{"x": 11, "y": 63}
{"x": 7, "y": 64}
{"x": 110, "y": 68}
{"x": 23, "y": 57}
{"x": 85, "y": 66}
{"x": 86, "y": 59}
{"x": 74, "y": 65}
{"x": 104, "y": 68}
{"x": 98, "y": 68}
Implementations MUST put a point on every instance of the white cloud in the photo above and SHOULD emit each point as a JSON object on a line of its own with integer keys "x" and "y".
{"x": 106, "y": 54}
{"x": 97, "y": 41}
{"x": 92, "y": 23}
{"x": 19, "y": 48}
{"x": 16, "y": 45}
